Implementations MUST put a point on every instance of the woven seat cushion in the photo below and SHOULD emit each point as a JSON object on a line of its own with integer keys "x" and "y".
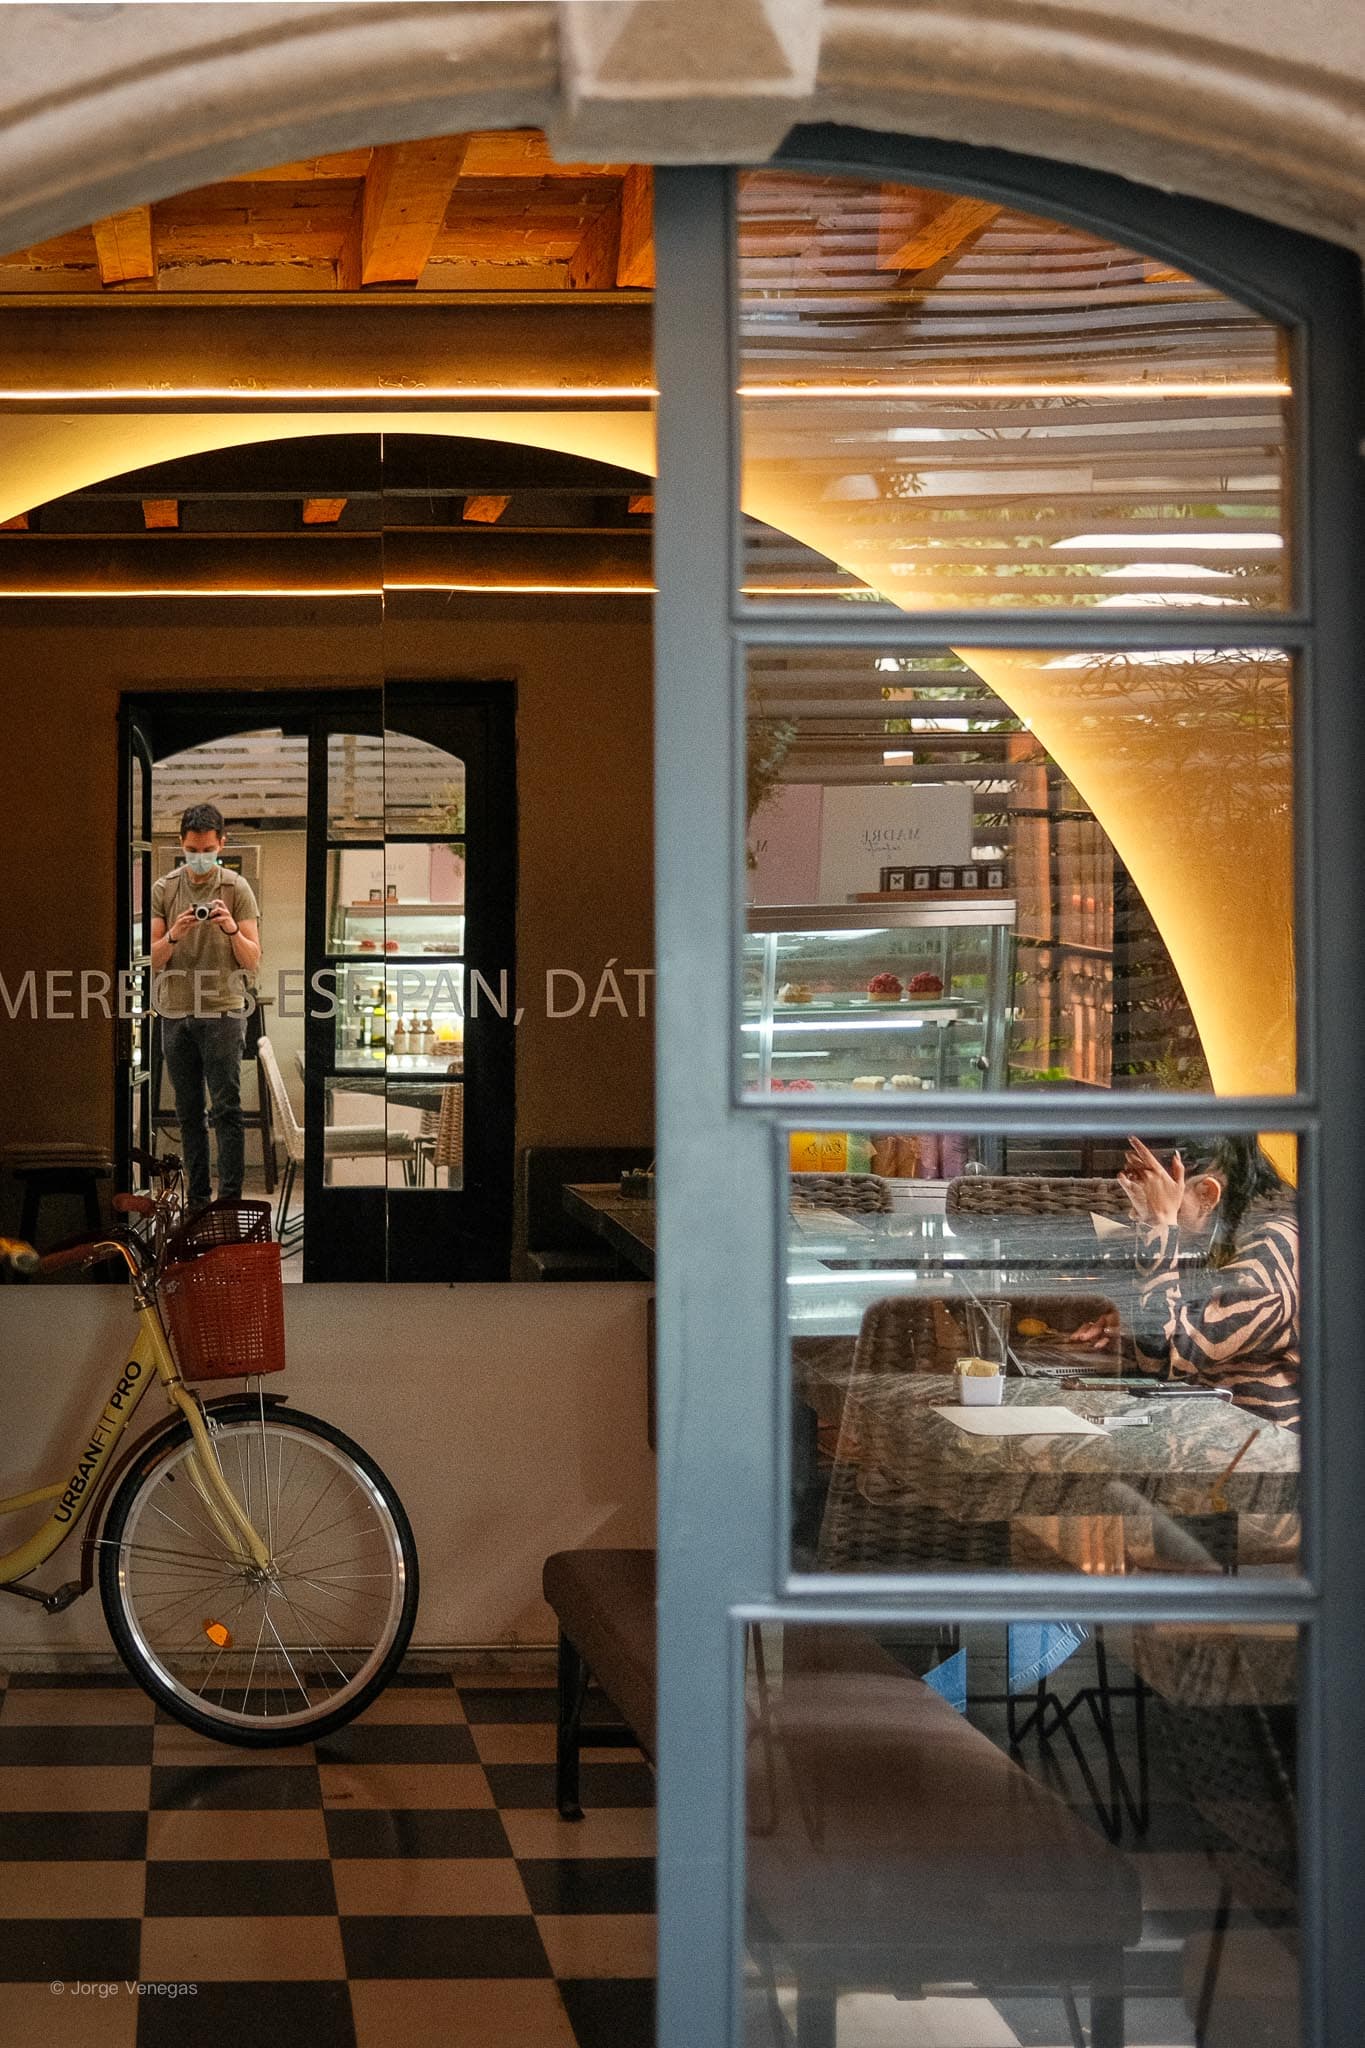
{"x": 896, "y": 1825}
{"x": 605, "y": 1602}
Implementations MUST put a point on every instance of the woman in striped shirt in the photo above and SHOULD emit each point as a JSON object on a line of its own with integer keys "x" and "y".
{"x": 1233, "y": 1320}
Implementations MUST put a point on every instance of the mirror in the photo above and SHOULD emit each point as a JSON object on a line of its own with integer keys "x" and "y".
{"x": 422, "y": 712}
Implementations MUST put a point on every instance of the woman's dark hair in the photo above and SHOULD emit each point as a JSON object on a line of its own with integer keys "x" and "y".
{"x": 1247, "y": 1176}
{"x": 202, "y": 818}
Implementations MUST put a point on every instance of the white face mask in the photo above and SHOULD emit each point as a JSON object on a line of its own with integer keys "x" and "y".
{"x": 201, "y": 863}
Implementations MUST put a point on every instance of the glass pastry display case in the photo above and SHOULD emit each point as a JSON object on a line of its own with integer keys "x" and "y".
{"x": 398, "y": 958}
{"x": 885, "y": 997}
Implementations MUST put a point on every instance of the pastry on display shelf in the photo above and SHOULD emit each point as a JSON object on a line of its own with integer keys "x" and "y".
{"x": 885, "y": 988}
{"x": 794, "y": 992}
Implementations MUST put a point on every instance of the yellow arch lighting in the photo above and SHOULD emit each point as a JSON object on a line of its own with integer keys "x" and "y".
{"x": 1222, "y": 899}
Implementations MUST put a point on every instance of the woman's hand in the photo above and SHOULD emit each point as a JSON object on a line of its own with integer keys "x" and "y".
{"x": 1100, "y": 1335}
{"x": 1154, "y": 1193}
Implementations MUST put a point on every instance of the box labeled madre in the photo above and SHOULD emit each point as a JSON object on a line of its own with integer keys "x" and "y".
{"x": 863, "y": 830}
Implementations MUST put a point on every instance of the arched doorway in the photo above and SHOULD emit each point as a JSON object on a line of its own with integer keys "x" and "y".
{"x": 728, "y": 1559}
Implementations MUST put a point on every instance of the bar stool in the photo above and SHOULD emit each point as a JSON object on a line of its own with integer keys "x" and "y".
{"x": 54, "y": 1169}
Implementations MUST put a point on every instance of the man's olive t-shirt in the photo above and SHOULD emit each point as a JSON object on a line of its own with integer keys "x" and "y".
{"x": 201, "y": 979}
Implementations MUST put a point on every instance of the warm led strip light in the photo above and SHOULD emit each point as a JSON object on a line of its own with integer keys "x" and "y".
{"x": 253, "y": 394}
{"x": 1258, "y": 388}
{"x": 224, "y": 590}
{"x": 379, "y": 589}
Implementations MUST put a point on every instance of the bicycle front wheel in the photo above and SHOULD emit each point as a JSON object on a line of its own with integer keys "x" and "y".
{"x": 250, "y": 1655}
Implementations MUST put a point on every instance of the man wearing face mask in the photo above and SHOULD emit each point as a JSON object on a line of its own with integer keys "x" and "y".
{"x": 205, "y": 951}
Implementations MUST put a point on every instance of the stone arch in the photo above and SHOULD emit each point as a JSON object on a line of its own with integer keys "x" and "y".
{"x": 104, "y": 107}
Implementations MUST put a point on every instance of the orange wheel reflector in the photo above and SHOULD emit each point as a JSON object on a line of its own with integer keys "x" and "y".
{"x": 220, "y": 1637}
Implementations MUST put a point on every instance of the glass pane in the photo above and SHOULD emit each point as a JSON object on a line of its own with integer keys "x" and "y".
{"x": 426, "y": 1126}
{"x": 1051, "y": 1354}
{"x": 354, "y": 1135}
{"x": 406, "y": 1019}
{"x": 1005, "y": 1833}
{"x": 406, "y": 899}
{"x": 1025, "y": 870}
{"x": 424, "y": 787}
{"x": 355, "y": 785}
{"x": 950, "y": 403}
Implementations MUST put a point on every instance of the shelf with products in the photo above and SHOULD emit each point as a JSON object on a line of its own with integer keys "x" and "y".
{"x": 396, "y": 896}
{"x": 887, "y": 998}
{"x": 410, "y": 1011}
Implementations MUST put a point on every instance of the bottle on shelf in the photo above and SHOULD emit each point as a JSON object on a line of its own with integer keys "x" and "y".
{"x": 378, "y": 1021}
{"x": 401, "y": 1046}
{"x": 415, "y": 1035}
{"x": 428, "y": 1036}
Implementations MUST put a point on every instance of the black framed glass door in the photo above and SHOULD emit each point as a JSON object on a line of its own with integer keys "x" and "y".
{"x": 412, "y": 925}
{"x": 843, "y": 1729}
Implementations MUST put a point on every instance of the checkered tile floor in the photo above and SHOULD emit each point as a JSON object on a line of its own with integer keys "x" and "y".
{"x": 405, "y": 1882}
{"x": 408, "y": 1883}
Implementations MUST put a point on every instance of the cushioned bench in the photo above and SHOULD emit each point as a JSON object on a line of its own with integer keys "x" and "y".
{"x": 890, "y": 1843}
{"x": 557, "y": 1247}
{"x": 604, "y": 1602}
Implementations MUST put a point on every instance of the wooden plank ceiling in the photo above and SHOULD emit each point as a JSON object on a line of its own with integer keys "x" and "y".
{"x": 478, "y": 212}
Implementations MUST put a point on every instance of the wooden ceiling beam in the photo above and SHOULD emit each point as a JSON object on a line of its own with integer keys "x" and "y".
{"x": 400, "y": 212}
{"x": 324, "y": 562}
{"x": 124, "y": 249}
{"x": 160, "y": 514}
{"x": 592, "y": 267}
{"x": 905, "y": 242}
{"x": 322, "y": 511}
{"x": 485, "y": 510}
{"x": 635, "y": 253}
{"x": 556, "y": 350}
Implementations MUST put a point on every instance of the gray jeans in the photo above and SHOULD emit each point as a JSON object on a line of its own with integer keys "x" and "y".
{"x": 207, "y": 1052}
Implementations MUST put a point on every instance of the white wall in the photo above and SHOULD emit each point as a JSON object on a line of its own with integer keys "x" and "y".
{"x": 511, "y": 1419}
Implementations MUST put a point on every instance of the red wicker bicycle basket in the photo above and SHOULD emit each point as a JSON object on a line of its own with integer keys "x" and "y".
{"x": 222, "y": 1293}
{"x": 221, "y": 1222}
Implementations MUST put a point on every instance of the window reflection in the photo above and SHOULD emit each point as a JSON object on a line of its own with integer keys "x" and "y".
{"x": 1042, "y": 1832}
{"x": 995, "y": 868}
{"x": 949, "y": 403}
{"x": 1089, "y": 1359}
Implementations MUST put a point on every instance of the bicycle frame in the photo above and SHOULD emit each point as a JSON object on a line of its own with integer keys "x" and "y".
{"x": 150, "y": 1358}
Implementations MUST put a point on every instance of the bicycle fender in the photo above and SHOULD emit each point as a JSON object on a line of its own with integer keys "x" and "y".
{"x": 149, "y": 1439}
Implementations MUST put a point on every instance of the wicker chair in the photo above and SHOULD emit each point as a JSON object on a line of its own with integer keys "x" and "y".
{"x": 856, "y": 1194}
{"x": 1027, "y": 1194}
{"x": 858, "y": 1533}
{"x": 908, "y": 1333}
{"x": 440, "y": 1135}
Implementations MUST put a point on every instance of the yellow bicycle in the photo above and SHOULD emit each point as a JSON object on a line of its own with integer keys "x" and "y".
{"x": 256, "y": 1567}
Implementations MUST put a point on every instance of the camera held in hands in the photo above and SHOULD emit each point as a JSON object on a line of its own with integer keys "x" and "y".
{"x": 202, "y": 912}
